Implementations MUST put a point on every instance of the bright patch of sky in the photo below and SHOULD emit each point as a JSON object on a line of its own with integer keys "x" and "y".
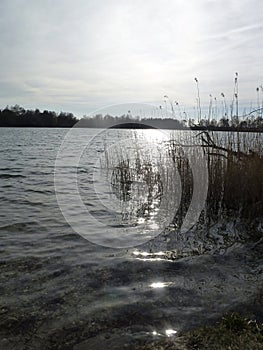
{"x": 81, "y": 55}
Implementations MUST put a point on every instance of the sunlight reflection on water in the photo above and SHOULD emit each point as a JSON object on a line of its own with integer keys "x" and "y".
{"x": 159, "y": 285}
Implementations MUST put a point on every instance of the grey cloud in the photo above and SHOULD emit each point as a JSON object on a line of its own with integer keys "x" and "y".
{"x": 83, "y": 54}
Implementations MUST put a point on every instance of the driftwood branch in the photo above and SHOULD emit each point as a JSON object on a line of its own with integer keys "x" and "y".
{"x": 208, "y": 142}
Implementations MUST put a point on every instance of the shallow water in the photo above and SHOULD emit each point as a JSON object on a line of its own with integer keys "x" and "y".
{"x": 60, "y": 291}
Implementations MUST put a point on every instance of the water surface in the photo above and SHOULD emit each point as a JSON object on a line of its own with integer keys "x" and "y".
{"x": 60, "y": 291}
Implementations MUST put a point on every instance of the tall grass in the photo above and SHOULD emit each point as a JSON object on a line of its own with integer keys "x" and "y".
{"x": 234, "y": 204}
{"x": 235, "y": 186}
{"x": 235, "y": 165}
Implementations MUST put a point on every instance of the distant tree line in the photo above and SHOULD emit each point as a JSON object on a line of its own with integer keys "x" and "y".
{"x": 17, "y": 116}
{"x": 126, "y": 120}
{"x": 251, "y": 122}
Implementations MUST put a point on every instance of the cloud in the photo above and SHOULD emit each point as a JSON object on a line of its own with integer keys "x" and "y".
{"x": 84, "y": 54}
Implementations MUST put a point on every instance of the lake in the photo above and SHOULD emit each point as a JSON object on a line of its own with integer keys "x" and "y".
{"x": 98, "y": 279}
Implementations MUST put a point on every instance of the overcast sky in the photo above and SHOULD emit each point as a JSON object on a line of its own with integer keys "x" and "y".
{"x": 81, "y": 55}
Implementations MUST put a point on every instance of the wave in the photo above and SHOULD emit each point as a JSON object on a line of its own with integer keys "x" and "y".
{"x": 8, "y": 176}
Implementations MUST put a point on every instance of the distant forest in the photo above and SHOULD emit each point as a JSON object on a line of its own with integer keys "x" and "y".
{"x": 17, "y": 116}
